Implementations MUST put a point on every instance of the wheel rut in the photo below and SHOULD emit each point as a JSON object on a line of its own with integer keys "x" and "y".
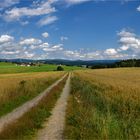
{"x": 54, "y": 126}
{"x": 19, "y": 111}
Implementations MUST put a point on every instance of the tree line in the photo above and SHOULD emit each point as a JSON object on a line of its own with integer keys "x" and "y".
{"x": 122, "y": 63}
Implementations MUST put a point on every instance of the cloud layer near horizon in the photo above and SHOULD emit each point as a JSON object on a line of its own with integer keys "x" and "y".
{"x": 34, "y": 48}
{"x": 38, "y": 48}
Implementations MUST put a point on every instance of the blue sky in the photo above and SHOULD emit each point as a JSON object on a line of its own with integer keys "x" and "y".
{"x": 70, "y": 29}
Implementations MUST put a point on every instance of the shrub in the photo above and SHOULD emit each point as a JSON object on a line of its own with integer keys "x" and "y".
{"x": 60, "y": 68}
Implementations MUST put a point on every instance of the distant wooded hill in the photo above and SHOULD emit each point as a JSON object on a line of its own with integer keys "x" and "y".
{"x": 122, "y": 63}
{"x": 89, "y": 63}
{"x": 62, "y": 61}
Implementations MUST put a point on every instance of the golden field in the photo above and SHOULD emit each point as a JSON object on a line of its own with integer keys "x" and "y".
{"x": 124, "y": 83}
{"x": 8, "y": 81}
{"x": 104, "y": 104}
{"x": 26, "y": 127}
{"x": 16, "y": 89}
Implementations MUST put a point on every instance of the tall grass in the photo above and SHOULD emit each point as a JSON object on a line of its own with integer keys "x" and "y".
{"x": 27, "y": 126}
{"x": 17, "y": 89}
{"x": 99, "y": 110}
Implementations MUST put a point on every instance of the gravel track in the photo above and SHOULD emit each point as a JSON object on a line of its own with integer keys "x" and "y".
{"x": 19, "y": 111}
{"x": 53, "y": 128}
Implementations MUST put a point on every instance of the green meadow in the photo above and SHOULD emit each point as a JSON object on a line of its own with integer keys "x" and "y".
{"x": 9, "y": 68}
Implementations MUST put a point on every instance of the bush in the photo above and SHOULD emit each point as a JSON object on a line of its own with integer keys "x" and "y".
{"x": 60, "y": 68}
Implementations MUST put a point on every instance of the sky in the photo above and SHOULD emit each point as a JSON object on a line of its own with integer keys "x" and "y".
{"x": 70, "y": 29}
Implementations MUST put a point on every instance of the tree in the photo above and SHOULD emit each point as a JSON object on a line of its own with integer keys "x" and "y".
{"x": 60, "y": 68}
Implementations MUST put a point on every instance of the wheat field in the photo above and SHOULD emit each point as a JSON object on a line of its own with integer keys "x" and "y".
{"x": 104, "y": 104}
{"x": 118, "y": 83}
{"x": 16, "y": 89}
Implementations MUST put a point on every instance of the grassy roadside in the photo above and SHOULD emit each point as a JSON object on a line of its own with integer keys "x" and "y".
{"x": 23, "y": 91}
{"x": 27, "y": 125}
{"x": 91, "y": 116}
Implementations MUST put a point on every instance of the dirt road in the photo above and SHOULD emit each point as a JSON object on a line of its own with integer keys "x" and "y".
{"x": 18, "y": 112}
{"x": 53, "y": 128}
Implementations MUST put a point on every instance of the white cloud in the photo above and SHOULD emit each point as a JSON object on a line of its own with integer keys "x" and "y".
{"x": 54, "y": 48}
{"x": 128, "y": 40}
{"x": 129, "y": 45}
{"x": 24, "y": 22}
{"x": 6, "y": 38}
{"x": 125, "y": 33}
{"x": 69, "y": 53}
{"x": 7, "y": 3}
{"x": 30, "y": 41}
{"x": 73, "y": 54}
{"x": 10, "y": 52}
{"x": 41, "y": 9}
{"x": 44, "y": 45}
{"x": 47, "y": 20}
{"x": 58, "y": 47}
{"x": 28, "y": 55}
{"x": 110, "y": 51}
{"x": 34, "y": 48}
{"x": 138, "y": 8}
{"x": 93, "y": 55}
{"x": 45, "y": 34}
{"x": 72, "y": 2}
{"x": 124, "y": 48}
{"x": 63, "y": 38}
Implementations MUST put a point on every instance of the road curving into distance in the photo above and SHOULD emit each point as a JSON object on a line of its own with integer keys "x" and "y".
{"x": 21, "y": 110}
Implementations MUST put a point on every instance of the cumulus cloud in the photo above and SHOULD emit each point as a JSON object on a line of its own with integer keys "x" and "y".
{"x": 16, "y": 13}
{"x": 138, "y": 8}
{"x": 45, "y": 34}
{"x": 124, "y": 48}
{"x": 47, "y": 20}
{"x": 58, "y": 47}
{"x": 9, "y": 48}
{"x": 9, "y": 52}
{"x": 95, "y": 55}
{"x": 42, "y": 8}
{"x": 30, "y": 41}
{"x": 7, "y": 3}
{"x": 28, "y": 54}
{"x": 54, "y": 48}
{"x": 125, "y": 33}
{"x": 33, "y": 48}
{"x": 6, "y": 38}
{"x": 24, "y": 22}
{"x": 63, "y": 38}
{"x": 110, "y": 51}
{"x": 74, "y": 54}
{"x": 72, "y": 2}
{"x": 44, "y": 45}
{"x": 128, "y": 40}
